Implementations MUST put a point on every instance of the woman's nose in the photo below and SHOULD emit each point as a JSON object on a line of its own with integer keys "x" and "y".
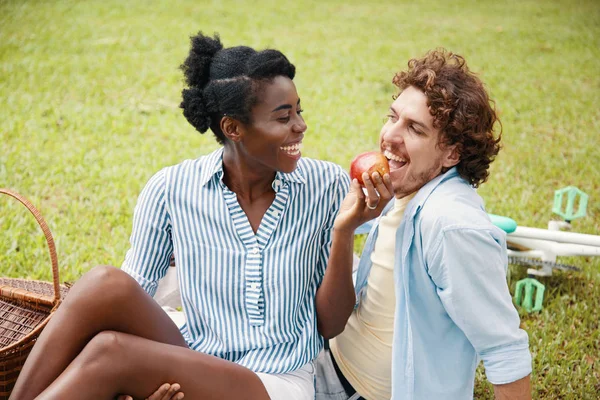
{"x": 299, "y": 126}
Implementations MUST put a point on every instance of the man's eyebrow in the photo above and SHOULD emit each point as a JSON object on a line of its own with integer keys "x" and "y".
{"x": 421, "y": 124}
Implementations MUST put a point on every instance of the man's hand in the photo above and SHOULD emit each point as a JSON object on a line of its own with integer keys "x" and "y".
{"x": 517, "y": 390}
{"x": 165, "y": 392}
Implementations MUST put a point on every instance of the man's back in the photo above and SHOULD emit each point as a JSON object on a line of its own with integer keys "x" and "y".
{"x": 459, "y": 308}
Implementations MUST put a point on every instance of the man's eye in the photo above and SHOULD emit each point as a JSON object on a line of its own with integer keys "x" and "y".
{"x": 412, "y": 128}
{"x": 391, "y": 117}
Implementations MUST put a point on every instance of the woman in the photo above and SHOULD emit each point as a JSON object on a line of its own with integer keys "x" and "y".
{"x": 253, "y": 227}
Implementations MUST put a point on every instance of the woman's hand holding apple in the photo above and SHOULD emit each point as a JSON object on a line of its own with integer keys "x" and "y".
{"x": 369, "y": 171}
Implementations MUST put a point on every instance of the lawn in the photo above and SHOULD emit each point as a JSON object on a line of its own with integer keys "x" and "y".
{"x": 89, "y": 95}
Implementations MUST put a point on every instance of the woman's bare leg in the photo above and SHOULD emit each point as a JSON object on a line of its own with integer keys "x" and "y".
{"x": 105, "y": 298}
{"x": 115, "y": 362}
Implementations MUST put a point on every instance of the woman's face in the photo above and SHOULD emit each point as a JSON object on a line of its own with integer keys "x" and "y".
{"x": 274, "y": 137}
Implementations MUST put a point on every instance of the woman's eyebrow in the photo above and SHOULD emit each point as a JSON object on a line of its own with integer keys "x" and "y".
{"x": 284, "y": 106}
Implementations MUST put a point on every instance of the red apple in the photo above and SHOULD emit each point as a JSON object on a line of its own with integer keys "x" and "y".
{"x": 369, "y": 162}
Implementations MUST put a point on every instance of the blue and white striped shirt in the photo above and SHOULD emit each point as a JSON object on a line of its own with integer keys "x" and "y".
{"x": 248, "y": 298}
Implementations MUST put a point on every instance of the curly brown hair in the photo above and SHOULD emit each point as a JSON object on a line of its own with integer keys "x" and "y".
{"x": 461, "y": 109}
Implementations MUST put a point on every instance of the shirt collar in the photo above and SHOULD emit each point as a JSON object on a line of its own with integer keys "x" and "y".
{"x": 430, "y": 186}
{"x": 213, "y": 167}
{"x": 416, "y": 203}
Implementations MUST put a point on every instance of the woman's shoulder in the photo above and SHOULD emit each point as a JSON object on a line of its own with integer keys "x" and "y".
{"x": 203, "y": 165}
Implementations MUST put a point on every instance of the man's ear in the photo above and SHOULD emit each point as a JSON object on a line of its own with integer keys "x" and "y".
{"x": 452, "y": 156}
{"x": 231, "y": 128}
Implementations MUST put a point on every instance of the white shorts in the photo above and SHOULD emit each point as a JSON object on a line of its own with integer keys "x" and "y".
{"x": 296, "y": 385}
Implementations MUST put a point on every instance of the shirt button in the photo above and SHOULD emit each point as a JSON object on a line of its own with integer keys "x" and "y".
{"x": 277, "y": 182}
{"x": 255, "y": 250}
{"x": 275, "y": 213}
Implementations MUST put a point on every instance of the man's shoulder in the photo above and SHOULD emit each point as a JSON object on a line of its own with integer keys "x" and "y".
{"x": 453, "y": 204}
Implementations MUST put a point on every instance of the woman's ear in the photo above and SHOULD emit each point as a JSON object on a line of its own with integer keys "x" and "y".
{"x": 231, "y": 128}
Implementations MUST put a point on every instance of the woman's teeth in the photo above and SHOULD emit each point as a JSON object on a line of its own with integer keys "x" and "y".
{"x": 293, "y": 149}
{"x": 393, "y": 157}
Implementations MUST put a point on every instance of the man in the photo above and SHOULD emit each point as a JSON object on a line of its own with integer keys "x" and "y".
{"x": 432, "y": 297}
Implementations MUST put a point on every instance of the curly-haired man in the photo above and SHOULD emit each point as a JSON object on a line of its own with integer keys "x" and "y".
{"x": 432, "y": 297}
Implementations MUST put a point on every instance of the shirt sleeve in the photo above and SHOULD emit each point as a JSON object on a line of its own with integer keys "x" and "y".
{"x": 469, "y": 270}
{"x": 148, "y": 258}
{"x": 339, "y": 191}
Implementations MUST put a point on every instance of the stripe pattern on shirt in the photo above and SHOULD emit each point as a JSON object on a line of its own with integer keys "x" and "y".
{"x": 248, "y": 298}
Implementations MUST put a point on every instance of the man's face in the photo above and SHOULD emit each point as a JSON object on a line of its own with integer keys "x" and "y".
{"x": 411, "y": 144}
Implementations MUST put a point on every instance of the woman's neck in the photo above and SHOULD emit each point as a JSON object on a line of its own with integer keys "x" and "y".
{"x": 249, "y": 182}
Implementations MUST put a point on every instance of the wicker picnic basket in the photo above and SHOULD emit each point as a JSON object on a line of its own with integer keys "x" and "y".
{"x": 25, "y": 308}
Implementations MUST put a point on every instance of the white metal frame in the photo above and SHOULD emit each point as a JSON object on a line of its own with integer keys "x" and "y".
{"x": 547, "y": 244}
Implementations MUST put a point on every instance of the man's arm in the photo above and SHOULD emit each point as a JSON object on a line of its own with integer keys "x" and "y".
{"x": 468, "y": 267}
{"x": 517, "y": 390}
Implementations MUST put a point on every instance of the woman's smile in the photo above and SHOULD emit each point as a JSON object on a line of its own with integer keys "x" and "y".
{"x": 292, "y": 150}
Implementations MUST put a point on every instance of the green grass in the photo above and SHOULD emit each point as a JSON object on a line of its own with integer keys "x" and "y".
{"x": 89, "y": 111}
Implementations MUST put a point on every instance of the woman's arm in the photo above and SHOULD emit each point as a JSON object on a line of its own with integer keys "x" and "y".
{"x": 148, "y": 258}
{"x": 335, "y": 297}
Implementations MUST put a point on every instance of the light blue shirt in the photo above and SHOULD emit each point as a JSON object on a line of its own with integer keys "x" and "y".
{"x": 248, "y": 298}
{"x": 453, "y": 306}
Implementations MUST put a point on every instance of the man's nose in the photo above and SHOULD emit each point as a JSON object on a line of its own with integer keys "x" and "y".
{"x": 393, "y": 134}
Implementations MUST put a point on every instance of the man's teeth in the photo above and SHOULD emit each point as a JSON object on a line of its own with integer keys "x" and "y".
{"x": 393, "y": 157}
{"x": 293, "y": 149}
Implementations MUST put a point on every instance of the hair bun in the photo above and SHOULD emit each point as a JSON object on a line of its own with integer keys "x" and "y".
{"x": 196, "y": 67}
{"x": 195, "y": 110}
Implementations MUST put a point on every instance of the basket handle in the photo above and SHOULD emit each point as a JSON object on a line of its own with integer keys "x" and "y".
{"x": 49, "y": 240}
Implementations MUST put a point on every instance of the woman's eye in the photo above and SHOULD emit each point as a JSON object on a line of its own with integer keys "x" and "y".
{"x": 300, "y": 111}
{"x": 283, "y": 119}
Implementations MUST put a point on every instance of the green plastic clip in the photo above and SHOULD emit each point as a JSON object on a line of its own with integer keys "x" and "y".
{"x": 525, "y": 291}
{"x": 571, "y": 193}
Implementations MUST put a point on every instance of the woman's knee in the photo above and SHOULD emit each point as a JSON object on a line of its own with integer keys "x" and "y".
{"x": 105, "y": 343}
{"x": 101, "y": 352}
{"x": 105, "y": 284}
